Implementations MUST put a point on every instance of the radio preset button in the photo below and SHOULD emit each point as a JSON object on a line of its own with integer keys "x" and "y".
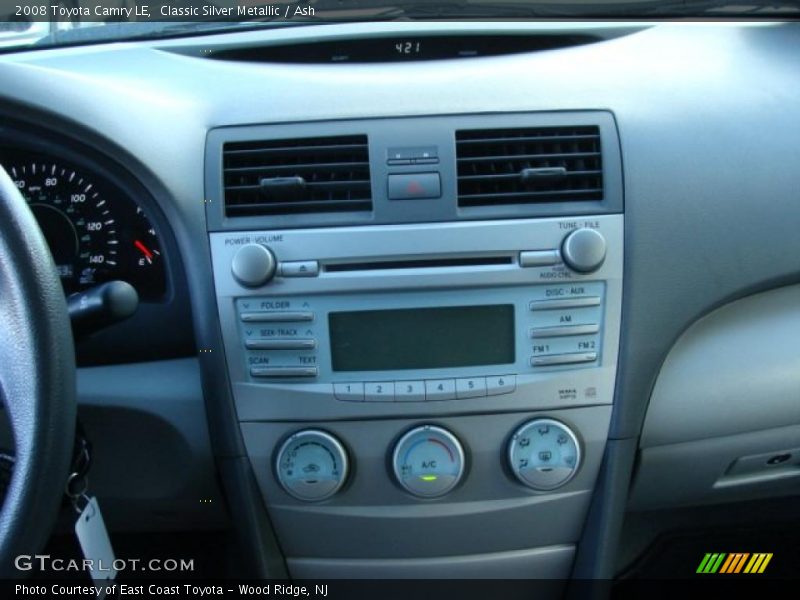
{"x": 564, "y": 330}
{"x": 379, "y": 391}
{"x": 409, "y": 391}
{"x": 563, "y": 359}
{"x": 471, "y": 387}
{"x": 299, "y": 268}
{"x": 274, "y": 372}
{"x": 440, "y": 389}
{"x": 558, "y": 303}
{"x": 277, "y": 317}
{"x": 500, "y": 384}
{"x": 349, "y": 392}
{"x": 284, "y": 344}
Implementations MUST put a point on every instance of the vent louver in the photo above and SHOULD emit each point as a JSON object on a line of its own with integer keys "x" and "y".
{"x": 296, "y": 176}
{"x": 530, "y": 165}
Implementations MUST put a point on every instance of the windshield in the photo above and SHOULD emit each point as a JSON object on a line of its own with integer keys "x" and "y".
{"x": 46, "y": 23}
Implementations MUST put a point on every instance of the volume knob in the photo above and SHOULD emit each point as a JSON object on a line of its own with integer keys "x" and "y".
{"x": 584, "y": 250}
{"x": 253, "y": 265}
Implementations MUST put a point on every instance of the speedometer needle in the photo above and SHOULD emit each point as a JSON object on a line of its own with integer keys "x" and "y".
{"x": 144, "y": 250}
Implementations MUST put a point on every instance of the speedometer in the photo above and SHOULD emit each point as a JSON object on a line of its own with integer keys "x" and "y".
{"x": 95, "y": 233}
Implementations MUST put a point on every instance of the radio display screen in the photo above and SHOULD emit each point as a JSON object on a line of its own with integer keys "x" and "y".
{"x": 422, "y": 338}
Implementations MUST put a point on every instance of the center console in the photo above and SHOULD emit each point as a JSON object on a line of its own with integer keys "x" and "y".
{"x": 421, "y": 333}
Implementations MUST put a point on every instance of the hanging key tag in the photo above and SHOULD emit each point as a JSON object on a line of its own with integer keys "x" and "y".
{"x": 95, "y": 544}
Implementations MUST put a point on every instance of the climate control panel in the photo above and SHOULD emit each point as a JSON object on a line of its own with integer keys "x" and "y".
{"x": 428, "y": 461}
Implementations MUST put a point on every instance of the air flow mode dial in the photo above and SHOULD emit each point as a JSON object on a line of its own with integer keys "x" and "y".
{"x": 312, "y": 465}
{"x": 544, "y": 454}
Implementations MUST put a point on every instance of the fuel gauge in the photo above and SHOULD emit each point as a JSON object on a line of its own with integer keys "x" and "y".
{"x": 146, "y": 263}
{"x": 145, "y": 242}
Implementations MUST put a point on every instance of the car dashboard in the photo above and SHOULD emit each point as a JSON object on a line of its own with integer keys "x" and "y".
{"x": 426, "y": 299}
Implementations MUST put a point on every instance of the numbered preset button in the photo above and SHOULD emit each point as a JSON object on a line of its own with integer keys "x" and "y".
{"x": 471, "y": 387}
{"x": 501, "y": 384}
{"x": 440, "y": 389}
{"x": 379, "y": 391}
{"x": 350, "y": 392}
{"x": 409, "y": 391}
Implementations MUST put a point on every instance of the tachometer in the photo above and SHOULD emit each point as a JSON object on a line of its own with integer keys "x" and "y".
{"x": 94, "y": 234}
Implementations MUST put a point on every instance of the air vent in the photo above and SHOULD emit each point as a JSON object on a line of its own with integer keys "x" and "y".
{"x": 296, "y": 176}
{"x": 529, "y": 166}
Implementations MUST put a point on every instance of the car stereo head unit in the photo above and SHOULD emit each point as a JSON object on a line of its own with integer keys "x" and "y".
{"x": 387, "y": 318}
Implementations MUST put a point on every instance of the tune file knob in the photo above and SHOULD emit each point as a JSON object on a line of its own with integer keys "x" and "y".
{"x": 584, "y": 250}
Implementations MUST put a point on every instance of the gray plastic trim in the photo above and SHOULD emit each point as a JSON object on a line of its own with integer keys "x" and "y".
{"x": 700, "y": 471}
{"x": 735, "y": 370}
{"x": 152, "y": 468}
{"x": 551, "y": 562}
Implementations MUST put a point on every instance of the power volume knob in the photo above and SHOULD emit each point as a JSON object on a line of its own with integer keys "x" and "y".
{"x": 253, "y": 265}
{"x": 584, "y": 250}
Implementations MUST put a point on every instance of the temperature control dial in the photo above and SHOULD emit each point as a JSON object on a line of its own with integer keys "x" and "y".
{"x": 312, "y": 465}
{"x": 428, "y": 461}
{"x": 544, "y": 454}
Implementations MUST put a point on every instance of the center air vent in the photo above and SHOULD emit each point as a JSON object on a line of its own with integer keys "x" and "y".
{"x": 527, "y": 166}
{"x": 293, "y": 176}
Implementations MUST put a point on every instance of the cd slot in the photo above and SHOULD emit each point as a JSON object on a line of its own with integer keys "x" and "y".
{"x": 426, "y": 263}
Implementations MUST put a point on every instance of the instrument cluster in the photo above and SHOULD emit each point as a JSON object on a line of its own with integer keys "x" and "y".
{"x": 96, "y": 230}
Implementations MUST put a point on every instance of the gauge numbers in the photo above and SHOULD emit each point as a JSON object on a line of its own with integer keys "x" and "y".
{"x": 95, "y": 233}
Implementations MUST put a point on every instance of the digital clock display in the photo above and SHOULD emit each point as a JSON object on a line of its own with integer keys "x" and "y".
{"x": 408, "y": 48}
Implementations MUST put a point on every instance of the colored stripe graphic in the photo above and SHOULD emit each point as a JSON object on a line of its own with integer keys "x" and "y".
{"x": 711, "y": 562}
{"x": 727, "y": 564}
{"x": 723, "y": 563}
{"x": 737, "y": 563}
{"x": 758, "y": 563}
{"x": 703, "y": 563}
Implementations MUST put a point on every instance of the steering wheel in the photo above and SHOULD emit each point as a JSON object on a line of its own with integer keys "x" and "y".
{"x": 37, "y": 380}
